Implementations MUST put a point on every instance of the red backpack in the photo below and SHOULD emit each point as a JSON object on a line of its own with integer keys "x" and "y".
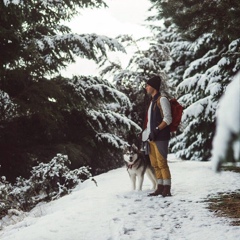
{"x": 177, "y": 110}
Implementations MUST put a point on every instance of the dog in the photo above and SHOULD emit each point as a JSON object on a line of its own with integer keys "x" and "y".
{"x": 137, "y": 165}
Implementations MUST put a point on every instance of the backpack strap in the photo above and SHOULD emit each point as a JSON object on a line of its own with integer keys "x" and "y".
{"x": 159, "y": 105}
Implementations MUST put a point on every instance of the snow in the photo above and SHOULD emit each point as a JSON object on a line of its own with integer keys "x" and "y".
{"x": 111, "y": 211}
{"x": 6, "y": 2}
{"x": 6, "y": 105}
{"x": 195, "y": 109}
{"x": 228, "y": 119}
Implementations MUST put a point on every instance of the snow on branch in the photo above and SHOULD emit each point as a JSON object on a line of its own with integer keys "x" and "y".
{"x": 112, "y": 119}
{"x": 7, "y": 2}
{"x": 112, "y": 139}
{"x": 203, "y": 106}
{"x": 48, "y": 181}
{"x": 227, "y": 137}
{"x": 60, "y": 4}
{"x": 83, "y": 45}
{"x": 204, "y": 39}
{"x": 7, "y": 107}
{"x": 102, "y": 90}
{"x": 189, "y": 83}
{"x": 145, "y": 63}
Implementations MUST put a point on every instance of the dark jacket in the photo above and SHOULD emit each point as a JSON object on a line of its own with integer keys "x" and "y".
{"x": 156, "y": 119}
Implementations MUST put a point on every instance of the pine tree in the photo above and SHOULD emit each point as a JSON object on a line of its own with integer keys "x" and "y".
{"x": 226, "y": 143}
{"x": 35, "y": 44}
{"x": 209, "y": 31}
{"x": 42, "y": 114}
{"x": 143, "y": 64}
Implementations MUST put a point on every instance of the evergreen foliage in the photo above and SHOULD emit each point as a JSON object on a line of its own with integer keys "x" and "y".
{"x": 144, "y": 63}
{"x": 204, "y": 49}
{"x": 226, "y": 142}
{"x": 78, "y": 117}
{"x": 43, "y": 113}
{"x": 48, "y": 181}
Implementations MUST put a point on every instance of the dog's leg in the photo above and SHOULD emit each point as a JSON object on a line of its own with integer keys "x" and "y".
{"x": 140, "y": 182}
{"x": 152, "y": 178}
{"x": 133, "y": 181}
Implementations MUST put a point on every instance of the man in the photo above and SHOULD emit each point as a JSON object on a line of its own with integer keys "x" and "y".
{"x": 158, "y": 133}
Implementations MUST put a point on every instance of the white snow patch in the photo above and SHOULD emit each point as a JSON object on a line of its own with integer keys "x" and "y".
{"x": 111, "y": 211}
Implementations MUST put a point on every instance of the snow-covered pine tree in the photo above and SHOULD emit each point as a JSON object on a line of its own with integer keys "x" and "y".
{"x": 104, "y": 126}
{"x": 7, "y": 107}
{"x": 143, "y": 63}
{"x": 209, "y": 28}
{"x": 226, "y": 142}
{"x": 5, "y": 189}
{"x": 47, "y": 181}
{"x": 35, "y": 44}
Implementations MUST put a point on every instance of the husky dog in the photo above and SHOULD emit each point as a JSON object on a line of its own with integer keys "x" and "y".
{"x": 137, "y": 165}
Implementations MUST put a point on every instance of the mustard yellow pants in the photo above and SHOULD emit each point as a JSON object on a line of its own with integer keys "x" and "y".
{"x": 158, "y": 162}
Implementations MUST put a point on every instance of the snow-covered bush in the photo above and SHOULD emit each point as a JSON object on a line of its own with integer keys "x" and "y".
{"x": 48, "y": 181}
{"x": 5, "y": 189}
{"x": 226, "y": 142}
{"x": 7, "y": 107}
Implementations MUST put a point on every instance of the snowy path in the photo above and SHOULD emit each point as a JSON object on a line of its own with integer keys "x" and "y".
{"x": 112, "y": 212}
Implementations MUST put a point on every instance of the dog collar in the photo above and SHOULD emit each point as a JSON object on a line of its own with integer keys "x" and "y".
{"x": 131, "y": 165}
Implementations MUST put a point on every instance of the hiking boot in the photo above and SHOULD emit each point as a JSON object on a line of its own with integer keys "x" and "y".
{"x": 158, "y": 191}
{"x": 166, "y": 191}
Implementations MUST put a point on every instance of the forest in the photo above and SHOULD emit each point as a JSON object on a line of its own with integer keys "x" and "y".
{"x": 196, "y": 51}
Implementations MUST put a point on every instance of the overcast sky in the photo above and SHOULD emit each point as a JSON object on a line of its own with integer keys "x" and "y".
{"x": 121, "y": 17}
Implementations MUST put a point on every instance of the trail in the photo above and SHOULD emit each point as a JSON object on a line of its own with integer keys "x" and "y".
{"x": 111, "y": 211}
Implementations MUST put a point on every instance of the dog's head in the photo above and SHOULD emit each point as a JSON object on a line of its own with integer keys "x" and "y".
{"x": 131, "y": 153}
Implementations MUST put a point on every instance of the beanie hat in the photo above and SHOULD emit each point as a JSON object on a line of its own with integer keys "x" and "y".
{"x": 155, "y": 82}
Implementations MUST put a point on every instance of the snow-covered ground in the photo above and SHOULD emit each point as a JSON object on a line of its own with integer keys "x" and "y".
{"x": 111, "y": 211}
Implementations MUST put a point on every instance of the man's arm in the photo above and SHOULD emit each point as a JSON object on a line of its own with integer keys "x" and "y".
{"x": 166, "y": 110}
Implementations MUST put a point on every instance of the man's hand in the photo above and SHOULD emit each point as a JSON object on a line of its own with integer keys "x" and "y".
{"x": 153, "y": 134}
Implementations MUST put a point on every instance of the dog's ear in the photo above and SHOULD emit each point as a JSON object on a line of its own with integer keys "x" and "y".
{"x": 125, "y": 147}
{"x": 134, "y": 147}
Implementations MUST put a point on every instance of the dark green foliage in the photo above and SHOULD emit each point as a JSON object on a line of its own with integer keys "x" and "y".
{"x": 71, "y": 117}
{"x": 204, "y": 47}
{"x": 142, "y": 65}
{"x": 193, "y": 18}
{"x": 41, "y": 114}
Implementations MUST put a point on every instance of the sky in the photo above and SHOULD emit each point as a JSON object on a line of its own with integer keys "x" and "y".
{"x": 110, "y": 210}
{"x": 121, "y": 17}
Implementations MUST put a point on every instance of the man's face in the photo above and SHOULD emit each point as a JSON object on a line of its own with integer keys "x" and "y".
{"x": 150, "y": 90}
